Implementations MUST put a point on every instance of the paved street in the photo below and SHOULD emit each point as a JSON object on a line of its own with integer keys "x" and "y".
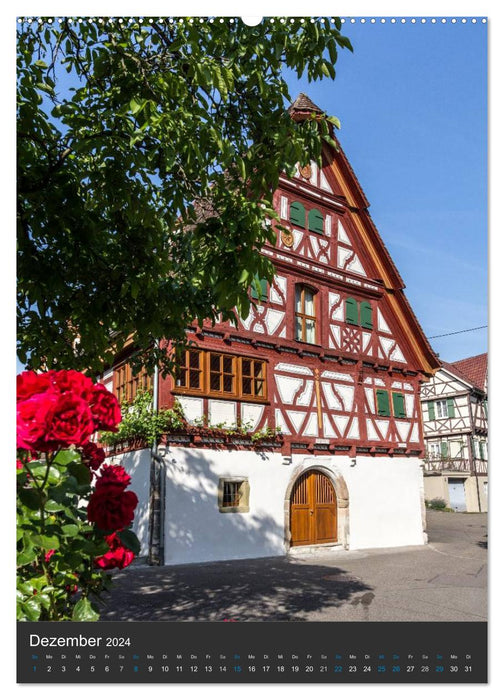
{"x": 444, "y": 581}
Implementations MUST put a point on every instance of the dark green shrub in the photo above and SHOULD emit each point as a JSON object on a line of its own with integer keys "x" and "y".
{"x": 436, "y": 504}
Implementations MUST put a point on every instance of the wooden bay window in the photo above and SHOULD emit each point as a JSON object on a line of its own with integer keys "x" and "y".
{"x": 222, "y": 373}
{"x": 190, "y": 371}
{"x": 127, "y": 384}
{"x": 219, "y": 374}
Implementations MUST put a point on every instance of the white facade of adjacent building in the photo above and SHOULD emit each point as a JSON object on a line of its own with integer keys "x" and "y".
{"x": 454, "y": 412}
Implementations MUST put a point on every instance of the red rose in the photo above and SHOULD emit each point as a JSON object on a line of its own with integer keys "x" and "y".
{"x": 92, "y": 455}
{"x": 19, "y": 464}
{"x": 111, "y": 507}
{"x": 113, "y": 475}
{"x": 105, "y": 408}
{"x": 72, "y": 421}
{"x": 30, "y": 383}
{"x": 118, "y": 555}
{"x": 76, "y": 382}
{"x": 34, "y": 420}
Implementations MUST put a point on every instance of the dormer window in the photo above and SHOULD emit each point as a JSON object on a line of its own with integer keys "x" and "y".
{"x": 305, "y": 317}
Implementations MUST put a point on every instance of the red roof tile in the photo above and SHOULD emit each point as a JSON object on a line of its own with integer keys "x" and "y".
{"x": 473, "y": 369}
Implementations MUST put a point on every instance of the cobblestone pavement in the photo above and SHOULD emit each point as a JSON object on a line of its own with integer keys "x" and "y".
{"x": 444, "y": 581}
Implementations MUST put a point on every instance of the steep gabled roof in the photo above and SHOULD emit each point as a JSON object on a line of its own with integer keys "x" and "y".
{"x": 358, "y": 204}
{"x": 473, "y": 369}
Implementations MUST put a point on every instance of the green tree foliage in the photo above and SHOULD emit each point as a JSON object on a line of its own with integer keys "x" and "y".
{"x": 148, "y": 153}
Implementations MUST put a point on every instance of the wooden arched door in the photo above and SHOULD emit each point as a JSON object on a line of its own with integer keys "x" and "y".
{"x": 313, "y": 510}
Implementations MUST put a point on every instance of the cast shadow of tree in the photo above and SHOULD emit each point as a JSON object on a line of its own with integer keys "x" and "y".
{"x": 266, "y": 588}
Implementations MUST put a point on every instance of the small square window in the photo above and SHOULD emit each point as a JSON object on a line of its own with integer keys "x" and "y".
{"x": 233, "y": 495}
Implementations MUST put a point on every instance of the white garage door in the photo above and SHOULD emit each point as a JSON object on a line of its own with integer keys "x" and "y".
{"x": 456, "y": 492}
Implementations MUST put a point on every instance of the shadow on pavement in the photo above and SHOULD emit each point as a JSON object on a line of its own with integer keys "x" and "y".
{"x": 245, "y": 590}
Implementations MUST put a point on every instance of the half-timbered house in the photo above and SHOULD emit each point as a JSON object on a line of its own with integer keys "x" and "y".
{"x": 324, "y": 379}
{"x": 454, "y": 405}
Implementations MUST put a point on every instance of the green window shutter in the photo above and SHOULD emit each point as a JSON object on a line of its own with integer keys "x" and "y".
{"x": 351, "y": 311}
{"x": 259, "y": 286}
{"x": 481, "y": 450}
{"x": 444, "y": 449}
{"x": 485, "y": 408}
{"x": 382, "y": 402}
{"x": 297, "y": 214}
{"x": 315, "y": 221}
{"x": 451, "y": 408}
{"x": 366, "y": 316}
{"x": 430, "y": 406}
{"x": 473, "y": 445}
{"x": 398, "y": 403}
{"x": 264, "y": 289}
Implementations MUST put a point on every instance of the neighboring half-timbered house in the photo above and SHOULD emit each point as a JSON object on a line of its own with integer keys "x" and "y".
{"x": 331, "y": 356}
{"x": 454, "y": 404}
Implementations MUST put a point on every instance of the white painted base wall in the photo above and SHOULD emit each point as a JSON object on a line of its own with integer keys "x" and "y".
{"x": 385, "y": 502}
{"x": 137, "y": 464}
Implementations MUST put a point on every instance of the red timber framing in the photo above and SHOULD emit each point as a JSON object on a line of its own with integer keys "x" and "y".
{"x": 325, "y": 389}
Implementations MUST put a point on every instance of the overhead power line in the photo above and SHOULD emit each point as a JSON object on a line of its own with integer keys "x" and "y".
{"x": 429, "y": 337}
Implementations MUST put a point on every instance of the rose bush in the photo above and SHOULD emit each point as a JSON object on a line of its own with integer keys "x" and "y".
{"x": 74, "y": 513}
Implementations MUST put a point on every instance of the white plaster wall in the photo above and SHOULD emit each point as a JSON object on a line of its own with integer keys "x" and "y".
{"x": 195, "y": 530}
{"x": 385, "y": 503}
{"x": 385, "y": 497}
{"x": 137, "y": 464}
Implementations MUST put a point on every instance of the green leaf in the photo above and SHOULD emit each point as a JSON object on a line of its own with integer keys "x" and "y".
{"x": 64, "y": 457}
{"x": 42, "y": 472}
{"x": 85, "y": 612}
{"x": 94, "y": 549}
{"x": 80, "y": 472}
{"x": 53, "y": 507}
{"x": 44, "y": 600}
{"x": 136, "y": 105}
{"x": 335, "y": 121}
{"x": 244, "y": 276}
{"x": 70, "y": 530}
{"x": 26, "y": 557}
{"x": 31, "y": 609}
{"x": 46, "y": 542}
{"x": 30, "y": 498}
{"x": 130, "y": 541}
{"x": 333, "y": 54}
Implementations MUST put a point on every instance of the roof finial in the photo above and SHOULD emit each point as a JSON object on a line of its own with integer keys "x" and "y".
{"x": 302, "y": 107}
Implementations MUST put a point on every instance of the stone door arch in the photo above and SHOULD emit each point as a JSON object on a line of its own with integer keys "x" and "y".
{"x": 316, "y": 508}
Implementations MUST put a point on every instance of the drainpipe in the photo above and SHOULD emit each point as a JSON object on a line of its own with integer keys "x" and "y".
{"x": 156, "y": 494}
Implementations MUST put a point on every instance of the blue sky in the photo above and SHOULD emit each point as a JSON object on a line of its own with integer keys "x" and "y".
{"x": 413, "y": 110}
